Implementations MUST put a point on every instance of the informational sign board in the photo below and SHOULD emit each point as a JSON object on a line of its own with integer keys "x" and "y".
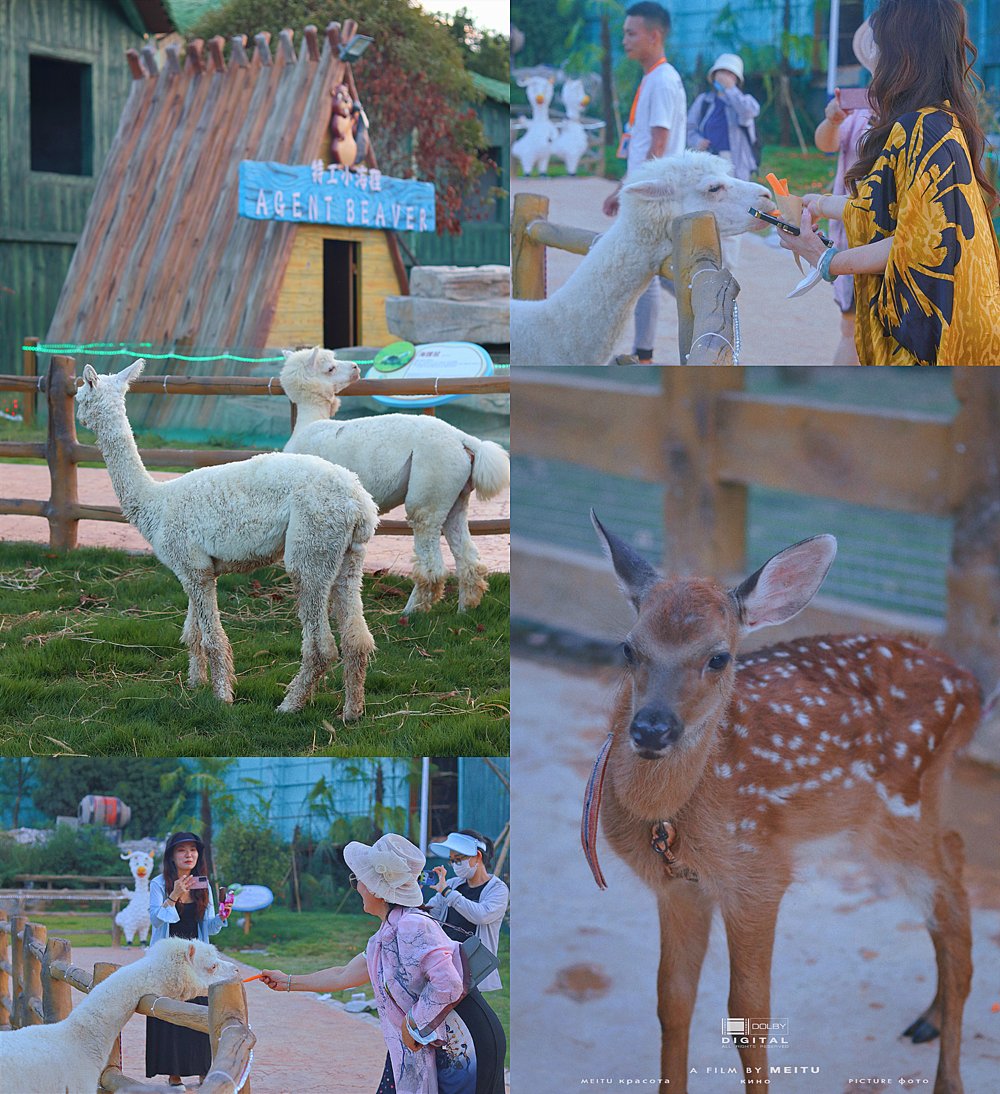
{"x": 318, "y": 194}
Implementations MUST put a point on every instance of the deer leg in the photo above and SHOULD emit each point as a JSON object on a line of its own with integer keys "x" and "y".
{"x": 750, "y": 932}
{"x": 685, "y": 923}
{"x": 355, "y": 637}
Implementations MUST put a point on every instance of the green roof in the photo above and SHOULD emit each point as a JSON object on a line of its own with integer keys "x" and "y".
{"x": 185, "y": 13}
{"x": 493, "y": 89}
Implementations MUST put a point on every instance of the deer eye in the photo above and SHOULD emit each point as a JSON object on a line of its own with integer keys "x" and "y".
{"x": 718, "y": 661}
{"x": 629, "y": 654}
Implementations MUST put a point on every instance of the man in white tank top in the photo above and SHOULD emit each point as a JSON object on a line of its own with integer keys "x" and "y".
{"x": 657, "y": 126}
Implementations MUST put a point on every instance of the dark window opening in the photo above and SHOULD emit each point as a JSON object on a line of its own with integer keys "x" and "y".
{"x": 852, "y": 15}
{"x": 341, "y": 293}
{"x": 61, "y": 128}
{"x": 443, "y": 797}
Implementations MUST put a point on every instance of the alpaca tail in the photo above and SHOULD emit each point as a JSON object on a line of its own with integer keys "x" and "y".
{"x": 367, "y": 519}
{"x": 490, "y": 468}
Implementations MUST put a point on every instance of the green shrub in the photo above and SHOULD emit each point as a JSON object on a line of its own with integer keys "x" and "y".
{"x": 248, "y": 852}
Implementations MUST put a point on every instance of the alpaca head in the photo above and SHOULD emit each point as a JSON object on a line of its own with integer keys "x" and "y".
{"x": 539, "y": 91}
{"x": 100, "y": 396}
{"x": 185, "y": 968}
{"x": 140, "y": 863}
{"x": 316, "y": 375}
{"x": 574, "y": 98}
{"x": 691, "y": 182}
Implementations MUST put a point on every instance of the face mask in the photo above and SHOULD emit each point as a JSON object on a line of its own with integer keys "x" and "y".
{"x": 464, "y": 869}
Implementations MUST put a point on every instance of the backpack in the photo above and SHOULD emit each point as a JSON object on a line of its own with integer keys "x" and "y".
{"x": 756, "y": 145}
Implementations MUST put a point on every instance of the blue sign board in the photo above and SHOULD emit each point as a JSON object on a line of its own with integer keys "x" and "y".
{"x": 318, "y": 194}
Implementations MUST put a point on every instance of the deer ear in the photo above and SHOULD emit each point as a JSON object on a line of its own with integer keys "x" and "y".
{"x": 635, "y": 575}
{"x": 785, "y": 584}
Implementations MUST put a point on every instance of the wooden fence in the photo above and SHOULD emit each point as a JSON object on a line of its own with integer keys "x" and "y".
{"x": 63, "y": 452}
{"x": 707, "y": 441}
{"x": 28, "y": 900}
{"x": 706, "y": 290}
{"x": 37, "y": 976}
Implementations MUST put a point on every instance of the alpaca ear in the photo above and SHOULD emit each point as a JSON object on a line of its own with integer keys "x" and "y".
{"x": 650, "y": 189}
{"x": 124, "y": 856}
{"x": 132, "y": 372}
{"x": 286, "y": 353}
{"x": 785, "y": 584}
{"x": 89, "y": 376}
{"x": 314, "y": 357}
{"x": 522, "y": 81}
{"x": 189, "y": 956}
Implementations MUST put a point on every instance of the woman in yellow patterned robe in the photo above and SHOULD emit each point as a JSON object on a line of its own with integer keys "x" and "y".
{"x": 922, "y": 248}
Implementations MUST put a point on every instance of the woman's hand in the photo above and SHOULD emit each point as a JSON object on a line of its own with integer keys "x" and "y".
{"x": 408, "y": 1040}
{"x": 808, "y": 245}
{"x": 275, "y": 979}
{"x": 181, "y": 886}
{"x": 441, "y": 883}
{"x": 835, "y": 113}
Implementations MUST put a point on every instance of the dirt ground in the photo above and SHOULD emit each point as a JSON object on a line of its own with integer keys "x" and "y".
{"x": 853, "y": 964}
{"x": 774, "y": 331}
{"x": 304, "y": 1045}
{"x": 393, "y": 553}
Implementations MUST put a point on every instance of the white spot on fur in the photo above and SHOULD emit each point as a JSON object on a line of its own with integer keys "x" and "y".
{"x": 724, "y": 771}
{"x": 948, "y": 686}
{"x": 897, "y": 693}
{"x": 897, "y": 807}
{"x": 900, "y": 750}
{"x": 803, "y": 720}
{"x": 886, "y": 652}
{"x": 916, "y": 726}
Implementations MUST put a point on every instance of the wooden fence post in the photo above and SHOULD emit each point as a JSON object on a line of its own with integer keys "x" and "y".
{"x": 705, "y": 291}
{"x": 704, "y": 519}
{"x": 31, "y": 976}
{"x": 6, "y": 991}
{"x": 17, "y": 970}
{"x": 29, "y": 360}
{"x": 64, "y": 499}
{"x": 230, "y": 1037}
{"x": 57, "y": 995}
{"x": 972, "y": 633}
{"x": 527, "y": 257}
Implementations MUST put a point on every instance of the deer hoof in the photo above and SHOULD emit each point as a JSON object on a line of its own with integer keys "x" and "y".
{"x": 920, "y": 1031}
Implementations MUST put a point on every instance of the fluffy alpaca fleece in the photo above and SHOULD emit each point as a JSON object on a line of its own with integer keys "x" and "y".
{"x": 68, "y": 1057}
{"x": 237, "y": 517}
{"x": 134, "y": 917}
{"x": 583, "y": 321}
{"x": 426, "y": 463}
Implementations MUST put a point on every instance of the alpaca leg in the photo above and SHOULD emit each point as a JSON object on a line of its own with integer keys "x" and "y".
{"x": 191, "y": 637}
{"x": 355, "y": 637}
{"x": 429, "y": 571}
{"x": 319, "y": 650}
{"x": 201, "y": 590}
{"x": 472, "y": 574}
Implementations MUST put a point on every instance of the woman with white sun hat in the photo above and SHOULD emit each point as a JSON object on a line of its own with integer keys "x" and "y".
{"x": 415, "y": 971}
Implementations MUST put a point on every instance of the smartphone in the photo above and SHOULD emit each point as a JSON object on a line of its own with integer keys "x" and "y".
{"x": 198, "y": 883}
{"x": 854, "y": 98}
{"x": 781, "y": 225}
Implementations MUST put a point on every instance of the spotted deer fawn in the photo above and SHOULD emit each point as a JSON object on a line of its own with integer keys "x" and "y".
{"x": 717, "y": 767}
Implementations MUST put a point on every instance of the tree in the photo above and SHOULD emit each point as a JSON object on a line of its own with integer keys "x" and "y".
{"x": 484, "y": 51}
{"x": 203, "y": 781}
{"x": 16, "y": 773}
{"x": 412, "y": 81}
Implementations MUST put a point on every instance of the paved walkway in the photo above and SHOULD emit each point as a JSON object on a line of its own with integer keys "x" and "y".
{"x": 393, "y": 553}
{"x": 853, "y": 965}
{"x": 304, "y": 1045}
{"x": 774, "y": 331}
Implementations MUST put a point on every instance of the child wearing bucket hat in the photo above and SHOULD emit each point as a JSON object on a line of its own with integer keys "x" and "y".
{"x": 721, "y": 120}
{"x": 178, "y": 908}
{"x": 415, "y": 972}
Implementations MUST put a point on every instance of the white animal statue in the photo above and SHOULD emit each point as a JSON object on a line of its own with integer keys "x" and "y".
{"x": 585, "y": 318}
{"x": 237, "y": 517}
{"x": 410, "y": 459}
{"x": 68, "y": 1057}
{"x": 134, "y": 917}
{"x": 535, "y": 147}
{"x": 571, "y": 143}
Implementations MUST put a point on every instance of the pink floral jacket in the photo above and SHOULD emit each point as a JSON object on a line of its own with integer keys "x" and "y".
{"x": 415, "y": 969}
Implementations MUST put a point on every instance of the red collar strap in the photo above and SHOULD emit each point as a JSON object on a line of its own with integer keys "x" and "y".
{"x": 591, "y": 809}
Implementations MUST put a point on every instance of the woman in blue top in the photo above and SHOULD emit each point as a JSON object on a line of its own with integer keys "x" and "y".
{"x": 178, "y": 908}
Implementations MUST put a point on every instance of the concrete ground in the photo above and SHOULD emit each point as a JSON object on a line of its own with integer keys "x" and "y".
{"x": 774, "y": 331}
{"x": 853, "y": 965}
{"x": 304, "y": 1045}
{"x": 393, "y": 553}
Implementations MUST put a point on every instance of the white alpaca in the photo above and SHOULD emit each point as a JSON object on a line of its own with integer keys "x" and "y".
{"x": 237, "y": 517}
{"x": 585, "y": 318}
{"x": 69, "y": 1056}
{"x": 426, "y": 463}
{"x": 535, "y": 147}
{"x": 134, "y": 917}
{"x": 571, "y": 143}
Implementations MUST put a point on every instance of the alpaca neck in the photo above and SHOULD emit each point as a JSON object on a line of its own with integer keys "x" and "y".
{"x": 620, "y": 262}
{"x": 132, "y": 482}
{"x": 97, "y": 1020}
{"x": 315, "y": 409}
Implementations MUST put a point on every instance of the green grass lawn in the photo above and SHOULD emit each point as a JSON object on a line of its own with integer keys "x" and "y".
{"x": 91, "y": 662}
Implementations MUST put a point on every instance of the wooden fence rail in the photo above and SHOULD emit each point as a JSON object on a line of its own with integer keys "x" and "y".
{"x": 36, "y": 981}
{"x": 706, "y": 291}
{"x": 706, "y": 441}
{"x": 64, "y": 453}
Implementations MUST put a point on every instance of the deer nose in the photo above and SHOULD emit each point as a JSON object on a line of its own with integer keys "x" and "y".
{"x": 655, "y": 728}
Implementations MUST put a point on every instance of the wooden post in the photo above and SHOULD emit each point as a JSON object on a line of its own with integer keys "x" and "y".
{"x": 57, "y": 995}
{"x": 102, "y": 970}
{"x": 704, "y": 519}
{"x": 705, "y": 292}
{"x": 17, "y": 971}
{"x": 29, "y": 358}
{"x": 527, "y": 257}
{"x": 64, "y": 496}
{"x": 31, "y": 977}
{"x": 972, "y": 633}
{"x": 230, "y": 1037}
{"x": 6, "y": 992}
